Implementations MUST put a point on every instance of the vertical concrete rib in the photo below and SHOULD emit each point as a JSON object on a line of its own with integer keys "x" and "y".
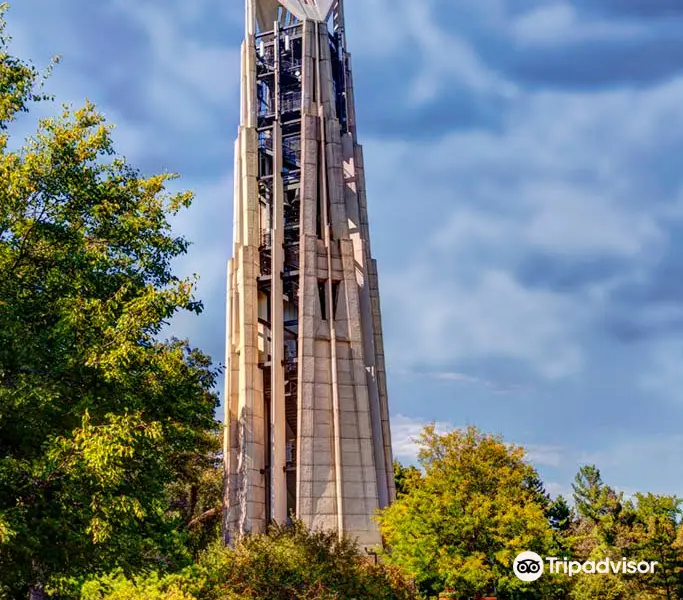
{"x": 227, "y": 419}
{"x": 277, "y": 380}
{"x": 323, "y": 89}
{"x": 373, "y": 286}
{"x": 308, "y": 289}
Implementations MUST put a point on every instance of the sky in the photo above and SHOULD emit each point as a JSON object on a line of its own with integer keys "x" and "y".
{"x": 525, "y": 190}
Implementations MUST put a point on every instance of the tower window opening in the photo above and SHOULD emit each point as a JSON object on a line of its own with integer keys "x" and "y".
{"x": 335, "y": 298}
{"x": 322, "y": 294}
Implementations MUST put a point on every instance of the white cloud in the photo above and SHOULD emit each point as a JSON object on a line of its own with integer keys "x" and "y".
{"x": 571, "y": 220}
{"x": 653, "y": 461}
{"x": 547, "y": 455}
{"x": 190, "y": 78}
{"x": 383, "y": 29}
{"x": 208, "y": 225}
{"x": 498, "y": 387}
{"x": 492, "y": 316}
{"x": 556, "y": 217}
{"x": 379, "y": 27}
{"x": 447, "y": 59}
{"x": 556, "y": 489}
{"x": 405, "y": 431}
{"x": 558, "y": 23}
{"x": 489, "y": 199}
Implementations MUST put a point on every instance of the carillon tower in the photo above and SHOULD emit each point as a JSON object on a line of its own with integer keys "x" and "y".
{"x": 306, "y": 413}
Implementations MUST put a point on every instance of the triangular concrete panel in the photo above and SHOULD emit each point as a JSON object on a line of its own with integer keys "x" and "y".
{"x": 316, "y": 10}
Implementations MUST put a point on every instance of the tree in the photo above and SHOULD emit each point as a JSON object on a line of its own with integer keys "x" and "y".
{"x": 601, "y": 587}
{"x": 97, "y": 415}
{"x": 406, "y": 478}
{"x": 655, "y": 535}
{"x": 477, "y": 506}
{"x": 598, "y": 503}
{"x": 560, "y": 514}
{"x": 644, "y": 528}
{"x": 196, "y": 496}
{"x": 594, "y": 499}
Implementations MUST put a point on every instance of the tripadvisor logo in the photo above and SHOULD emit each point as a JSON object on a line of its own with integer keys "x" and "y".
{"x": 529, "y": 566}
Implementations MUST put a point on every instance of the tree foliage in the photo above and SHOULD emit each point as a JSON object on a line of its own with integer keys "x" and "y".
{"x": 657, "y": 535}
{"x": 594, "y": 499}
{"x": 643, "y": 528}
{"x": 456, "y": 527}
{"x": 196, "y": 494}
{"x": 97, "y": 414}
{"x": 560, "y": 514}
{"x": 477, "y": 506}
{"x": 289, "y": 563}
{"x": 405, "y": 478}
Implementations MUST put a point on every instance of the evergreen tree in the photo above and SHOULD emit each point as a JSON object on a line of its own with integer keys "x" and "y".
{"x": 655, "y": 533}
{"x": 560, "y": 514}
{"x": 594, "y": 499}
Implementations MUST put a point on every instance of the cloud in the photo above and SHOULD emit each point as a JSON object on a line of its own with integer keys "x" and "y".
{"x": 498, "y": 387}
{"x": 406, "y": 430}
{"x": 547, "y": 455}
{"x": 447, "y": 59}
{"x": 556, "y": 489}
{"x": 559, "y": 23}
{"x": 205, "y": 225}
{"x": 528, "y": 236}
{"x": 208, "y": 71}
{"x": 491, "y": 316}
{"x": 366, "y": 38}
{"x": 560, "y": 218}
{"x": 404, "y": 433}
{"x": 634, "y": 8}
{"x": 646, "y": 463}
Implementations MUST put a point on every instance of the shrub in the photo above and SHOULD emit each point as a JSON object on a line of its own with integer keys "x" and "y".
{"x": 288, "y": 563}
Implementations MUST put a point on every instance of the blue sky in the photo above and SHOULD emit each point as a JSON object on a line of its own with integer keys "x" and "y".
{"x": 525, "y": 190}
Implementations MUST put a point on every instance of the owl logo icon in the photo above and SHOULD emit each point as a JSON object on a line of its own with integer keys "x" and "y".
{"x": 528, "y": 566}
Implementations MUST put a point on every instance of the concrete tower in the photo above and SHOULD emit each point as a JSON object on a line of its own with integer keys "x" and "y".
{"x": 307, "y": 420}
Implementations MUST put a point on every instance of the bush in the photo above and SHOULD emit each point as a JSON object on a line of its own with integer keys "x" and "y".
{"x": 118, "y": 587}
{"x": 289, "y": 563}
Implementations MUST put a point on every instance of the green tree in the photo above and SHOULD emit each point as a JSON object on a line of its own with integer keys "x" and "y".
{"x": 97, "y": 415}
{"x": 405, "y": 478}
{"x": 654, "y": 534}
{"x": 560, "y": 514}
{"x": 196, "y": 495}
{"x": 602, "y": 587}
{"x": 600, "y": 504}
{"x": 645, "y": 528}
{"x": 477, "y": 506}
{"x": 593, "y": 498}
